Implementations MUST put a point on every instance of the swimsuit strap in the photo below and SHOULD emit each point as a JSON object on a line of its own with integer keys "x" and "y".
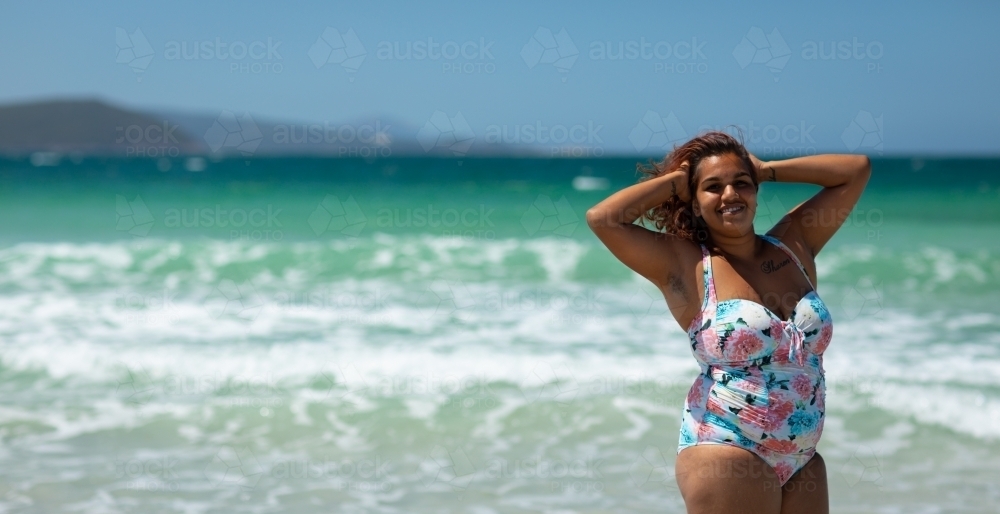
{"x": 779, "y": 244}
{"x": 707, "y": 279}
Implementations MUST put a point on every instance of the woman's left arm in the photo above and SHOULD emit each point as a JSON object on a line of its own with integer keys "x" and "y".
{"x": 816, "y": 220}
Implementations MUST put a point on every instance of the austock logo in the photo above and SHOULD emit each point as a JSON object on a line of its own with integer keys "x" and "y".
{"x": 332, "y": 47}
{"x": 451, "y": 467}
{"x": 656, "y": 132}
{"x": 456, "y": 57}
{"x": 647, "y": 300}
{"x": 769, "y": 212}
{"x": 450, "y": 133}
{"x": 759, "y": 48}
{"x": 341, "y": 381}
{"x": 547, "y": 48}
{"x": 259, "y": 56}
{"x": 546, "y": 217}
{"x": 232, "y": 133}
{"x": 864, "y": 299}
{"x": 332, "y": 215}
{"x": 133, "y": 216}
{"x": 545, "y": 382}
{"x": 449, "y": 298}
{"x": 238, "y": 301}
{"x": 134, "y": 385}
{"x": 771, "y": 50}
{"x": 651, "y": 469}
{"x": 578, "y": 140}
{"x": 232, "y": 467}
{"x": 133, "y": 50}
{"x": 863, "y": 467}
{"x": 864, "y": 131}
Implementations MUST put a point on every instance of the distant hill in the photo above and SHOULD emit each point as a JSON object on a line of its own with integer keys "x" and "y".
{"x": 85, "y": 126}
{"x": 93, "y": 127}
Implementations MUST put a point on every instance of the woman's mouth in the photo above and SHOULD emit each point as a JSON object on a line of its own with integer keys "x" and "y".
{"x": 733, "y": 209}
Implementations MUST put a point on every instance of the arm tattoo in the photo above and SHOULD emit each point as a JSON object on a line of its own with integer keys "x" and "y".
{"x": 773, "y": 179}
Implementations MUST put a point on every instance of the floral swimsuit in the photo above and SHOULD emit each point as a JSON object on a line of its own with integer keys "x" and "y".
{"x": 761, "y": 386}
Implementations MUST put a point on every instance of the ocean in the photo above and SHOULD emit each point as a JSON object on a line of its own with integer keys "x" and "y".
{"x": 447, "y": 335}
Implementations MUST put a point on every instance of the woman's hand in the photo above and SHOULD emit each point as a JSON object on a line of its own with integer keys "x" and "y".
{"x": 683, "y": 191}
{"x": 763, "y": 171}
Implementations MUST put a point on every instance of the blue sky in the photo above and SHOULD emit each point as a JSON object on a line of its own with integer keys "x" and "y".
{"x": 912, "y": 77}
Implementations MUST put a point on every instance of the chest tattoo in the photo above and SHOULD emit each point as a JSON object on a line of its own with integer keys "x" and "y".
{"x": 769, "y": 266}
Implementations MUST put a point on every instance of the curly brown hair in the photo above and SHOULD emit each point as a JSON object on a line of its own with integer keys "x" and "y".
{"x": 674, "y": 216}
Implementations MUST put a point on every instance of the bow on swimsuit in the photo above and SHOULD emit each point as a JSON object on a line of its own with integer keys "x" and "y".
{"x": 761, "y": 386}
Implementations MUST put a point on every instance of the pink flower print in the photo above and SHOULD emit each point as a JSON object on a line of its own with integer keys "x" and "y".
{"x": 825, "y": 335}
{"x": 778, "y": 333}
{"x": 710, "y": 343}
{"x": 776, "y": 330}
{"x": 715, "y": 406}
{"x": 694, "y": 396}
{"x": 705, "y": 432}
{"x": 777, "y": 414}
{"x": 783, "y": 447}
{"x": 742, "y": 344}
{"x": 802, "y": 385}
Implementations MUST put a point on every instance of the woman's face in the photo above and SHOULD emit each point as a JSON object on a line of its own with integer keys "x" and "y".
{"x": 725, "y": 195}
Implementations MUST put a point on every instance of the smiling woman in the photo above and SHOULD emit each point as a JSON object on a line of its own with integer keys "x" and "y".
{"x": 757, "y": 327}
{"x": 676, "y": 214}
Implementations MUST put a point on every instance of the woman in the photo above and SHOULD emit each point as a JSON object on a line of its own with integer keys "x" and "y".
{"x": 755, "y": 321}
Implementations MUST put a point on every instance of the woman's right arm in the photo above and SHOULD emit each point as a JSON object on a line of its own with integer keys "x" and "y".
{"x": 652, "y": 254}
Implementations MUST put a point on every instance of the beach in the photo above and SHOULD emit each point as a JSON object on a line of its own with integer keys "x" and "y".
{"x": 435, "y": 335}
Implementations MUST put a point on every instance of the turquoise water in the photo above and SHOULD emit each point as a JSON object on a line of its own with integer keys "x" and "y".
{"x": 428, "y": 336}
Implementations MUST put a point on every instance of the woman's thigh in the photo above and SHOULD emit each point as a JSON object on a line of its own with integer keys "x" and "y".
{"x": 806, "y": 492}
{"x": 720, "y": 478}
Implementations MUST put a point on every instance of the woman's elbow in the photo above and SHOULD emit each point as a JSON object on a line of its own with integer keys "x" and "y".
{"x": 864, "y": 165}
{"x": 596, "y": 218}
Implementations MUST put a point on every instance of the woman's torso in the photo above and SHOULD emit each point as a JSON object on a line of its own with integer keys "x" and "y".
{"x": 761, "y": 373}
